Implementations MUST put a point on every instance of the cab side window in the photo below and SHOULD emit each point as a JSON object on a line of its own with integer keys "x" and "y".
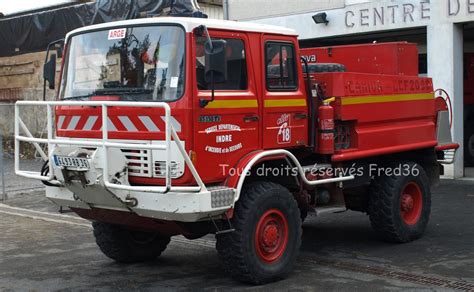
{"x": 236, "y": 66}
{"x": 280, "y": 65}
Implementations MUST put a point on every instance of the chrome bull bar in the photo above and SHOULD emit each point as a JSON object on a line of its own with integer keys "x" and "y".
{"x": 52, "y": 141}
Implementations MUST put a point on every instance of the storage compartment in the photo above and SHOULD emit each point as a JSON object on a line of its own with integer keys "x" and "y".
{"x": 396, "y": 58}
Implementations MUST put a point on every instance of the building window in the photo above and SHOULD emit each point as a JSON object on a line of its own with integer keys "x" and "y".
{"x": 280, "y": 66}
{"x": 236, "y": 75}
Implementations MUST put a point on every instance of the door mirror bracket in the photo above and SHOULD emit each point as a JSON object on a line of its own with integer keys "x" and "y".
{"x": 216, "y": 63}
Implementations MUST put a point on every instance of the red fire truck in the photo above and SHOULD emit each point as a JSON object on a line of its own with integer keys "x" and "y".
{"x": 185, "y": 126}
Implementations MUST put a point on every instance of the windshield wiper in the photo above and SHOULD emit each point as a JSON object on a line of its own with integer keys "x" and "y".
{"x": 106, "y": 91}
{"x": 123, "y": 92}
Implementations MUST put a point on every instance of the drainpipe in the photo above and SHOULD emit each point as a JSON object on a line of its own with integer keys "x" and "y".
{"x": 225, "y": 6}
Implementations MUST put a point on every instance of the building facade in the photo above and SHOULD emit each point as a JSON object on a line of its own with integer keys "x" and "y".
{"x": 443, "y": 30}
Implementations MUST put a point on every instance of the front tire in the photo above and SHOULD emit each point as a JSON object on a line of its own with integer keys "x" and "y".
{"x": 267, "y": 237}
{"x": 400, "y": 205}
{"x": 128, "y": 246}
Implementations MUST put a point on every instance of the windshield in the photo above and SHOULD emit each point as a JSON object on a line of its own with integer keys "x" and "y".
{"x": 135, "y": 63}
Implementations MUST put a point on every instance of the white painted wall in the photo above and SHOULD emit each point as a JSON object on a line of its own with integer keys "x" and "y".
{"x": 360, "y": 18}
{"x": 366, "y": 17}
{"x": 352, "y": 2}
{"x": 257, "y": 9}
{"x": 212, "y": 11}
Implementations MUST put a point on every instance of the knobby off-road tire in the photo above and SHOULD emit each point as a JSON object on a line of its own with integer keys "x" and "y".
{"x": 400, "y": 206}
{"x": 267, "y": 237}
{"x": 127, "y": 246}
{"x": 469, "y": 144}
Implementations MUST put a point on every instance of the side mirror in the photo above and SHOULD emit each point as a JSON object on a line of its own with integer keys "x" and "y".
{"x": 216, "y": 64}
{"x": 49, "y": 71}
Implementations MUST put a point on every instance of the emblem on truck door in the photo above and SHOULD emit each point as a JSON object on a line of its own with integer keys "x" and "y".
{"x": 284, "y": 131}
{"x": 222, "y": 136}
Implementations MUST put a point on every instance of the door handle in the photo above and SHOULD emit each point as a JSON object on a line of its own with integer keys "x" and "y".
{"x": 249, "y": 119}
{"x": 300, "y": 116}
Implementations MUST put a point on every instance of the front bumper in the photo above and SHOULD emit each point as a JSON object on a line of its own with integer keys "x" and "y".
{"x": 172, "y": 206}
{"x": 102, "y": 182}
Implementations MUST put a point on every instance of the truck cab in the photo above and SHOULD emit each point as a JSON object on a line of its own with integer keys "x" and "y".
{"x": 162, "y": 62}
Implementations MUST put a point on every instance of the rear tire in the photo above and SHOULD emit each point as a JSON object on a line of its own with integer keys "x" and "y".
{"x": 400, "y": 206}
{"x": 128, "y": 246}
{"x": 469, "y": 144}
{"x": 267, "y": 237}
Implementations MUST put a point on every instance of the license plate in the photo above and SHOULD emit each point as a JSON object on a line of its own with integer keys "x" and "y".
{"x": 75, "y": 163}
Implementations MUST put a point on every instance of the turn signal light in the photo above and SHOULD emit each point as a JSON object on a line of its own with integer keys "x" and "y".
{"x": 193, "y": 157}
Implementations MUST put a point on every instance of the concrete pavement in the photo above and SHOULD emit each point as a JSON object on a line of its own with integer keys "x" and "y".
{"x": 40, "y": 251}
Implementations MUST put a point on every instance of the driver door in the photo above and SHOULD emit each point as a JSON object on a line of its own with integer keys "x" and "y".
{"x": 227, "y": 127}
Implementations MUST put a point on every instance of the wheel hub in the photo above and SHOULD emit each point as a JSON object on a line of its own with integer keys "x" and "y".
{"x": 411, "y": 203}
{"x": 271, "y": 236}
{"x": 407, "y": 202}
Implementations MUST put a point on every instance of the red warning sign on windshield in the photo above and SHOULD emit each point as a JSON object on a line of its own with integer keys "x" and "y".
{"x": 115, "y": 34}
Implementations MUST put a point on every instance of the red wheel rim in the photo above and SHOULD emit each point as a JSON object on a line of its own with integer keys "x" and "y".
{"x": 411, "y": 203}
{"x": 271, "y": 236}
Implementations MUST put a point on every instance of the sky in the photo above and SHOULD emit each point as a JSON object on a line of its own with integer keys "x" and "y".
{"x": 13, "y": 6}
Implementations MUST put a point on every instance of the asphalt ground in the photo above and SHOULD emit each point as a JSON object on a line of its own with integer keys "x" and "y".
{"x": 42, "y": 250}
{"x": 15, "y": 184}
